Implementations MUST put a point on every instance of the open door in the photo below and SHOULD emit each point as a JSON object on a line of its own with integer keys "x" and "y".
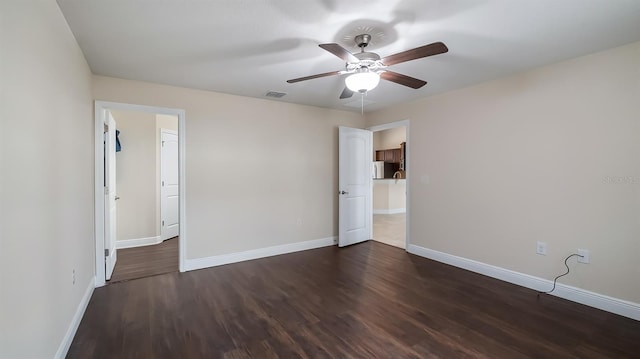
{"x": 110, "y": 195}
{"x": 354, "y": 186}
{"x": 169, "y": 186}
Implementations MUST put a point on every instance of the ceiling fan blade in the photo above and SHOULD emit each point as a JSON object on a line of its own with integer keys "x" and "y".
{"x": 417, "y": 53}
{"x": 339, "y": 51}
{"x": 403, "y": 79}
{"x": 346, "y": 93}
{"x": 314, "y": 76}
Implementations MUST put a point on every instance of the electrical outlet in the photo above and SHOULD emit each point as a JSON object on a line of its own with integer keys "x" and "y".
{"x": 585, "y": 256}
{"x": 541, "y": 248}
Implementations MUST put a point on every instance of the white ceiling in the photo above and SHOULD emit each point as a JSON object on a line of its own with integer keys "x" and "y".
{"x": 249, "y": 47}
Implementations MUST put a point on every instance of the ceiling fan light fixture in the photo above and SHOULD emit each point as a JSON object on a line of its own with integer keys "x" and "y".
{"x": 362, "y": 81}
{"x": 366, "y": 68}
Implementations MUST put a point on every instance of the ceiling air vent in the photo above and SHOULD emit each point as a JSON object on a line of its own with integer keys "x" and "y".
{"x": 275, "y": 94}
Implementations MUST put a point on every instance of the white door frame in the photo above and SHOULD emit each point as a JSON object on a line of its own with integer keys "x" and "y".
{"x": 110, "y": 194}
{"x": 100, "y": 109}
{"x": 388, "y": 126}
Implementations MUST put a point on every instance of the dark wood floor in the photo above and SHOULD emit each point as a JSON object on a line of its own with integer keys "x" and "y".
{"x": 364, "y": 301}
{"x": 140, "y": 262}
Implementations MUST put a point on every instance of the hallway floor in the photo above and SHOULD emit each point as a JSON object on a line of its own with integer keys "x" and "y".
{"x": 140, "y": 262}
{"x": 390, "y": 229}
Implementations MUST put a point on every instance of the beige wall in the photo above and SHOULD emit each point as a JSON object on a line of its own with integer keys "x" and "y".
{"x": 138, "y": 172}
{"x": 168, "y": 122}
{"x": 46, "y": 166}
{"x": 391, "y": 138}
{"x": 136, "y": 181}
{"x": 501, "y": 165}
{"x": 258, "y": 173}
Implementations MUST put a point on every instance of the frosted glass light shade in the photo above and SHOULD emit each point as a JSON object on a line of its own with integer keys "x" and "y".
{"x": 362, "y": 81}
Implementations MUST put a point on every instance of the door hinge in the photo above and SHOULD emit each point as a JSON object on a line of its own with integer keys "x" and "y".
{"x": 162, "y": 143}
{"x": 106, "y": 190}
{"x": 162, "y": 183}
{"x": 106, "y": 252}
{"x": 163, "y": 223}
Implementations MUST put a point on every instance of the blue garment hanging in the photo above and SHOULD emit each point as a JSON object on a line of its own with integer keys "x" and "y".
{"x": 118, "y": 141}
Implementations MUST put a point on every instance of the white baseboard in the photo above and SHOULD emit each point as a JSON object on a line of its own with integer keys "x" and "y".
{"x": 390, "y": 211}
{"x": 75, "y": 322}
{"x": 199, "y": 263}
{"x": 138, "y": 242}
{"x": 582, "y": 296}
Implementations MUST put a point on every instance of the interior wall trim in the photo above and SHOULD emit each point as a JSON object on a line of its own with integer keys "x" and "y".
{"x": 213, "y": 261}
{"x": 63, "y": 349}
{"x": 578, "y": 295}
{"x": 138, "y": 242}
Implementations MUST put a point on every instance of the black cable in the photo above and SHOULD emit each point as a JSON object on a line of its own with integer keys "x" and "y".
{"x": 561, "y": 275}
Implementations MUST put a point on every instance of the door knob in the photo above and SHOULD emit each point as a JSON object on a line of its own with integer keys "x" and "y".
{"x": 117, "y": 198}
{"x": 343, "y": 192}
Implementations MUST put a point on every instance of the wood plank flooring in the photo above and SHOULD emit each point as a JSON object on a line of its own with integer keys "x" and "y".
{"x": 140, "y": 262}
{"x": 369, "y": 300}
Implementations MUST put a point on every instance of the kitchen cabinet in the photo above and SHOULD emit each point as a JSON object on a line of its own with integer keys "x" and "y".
{"x": 392, "y": 155}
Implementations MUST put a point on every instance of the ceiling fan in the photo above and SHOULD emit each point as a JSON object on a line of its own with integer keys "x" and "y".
{"x": 366, "y": 68}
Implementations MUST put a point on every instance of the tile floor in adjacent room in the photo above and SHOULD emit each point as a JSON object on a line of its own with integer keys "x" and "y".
{"x": 390, "y": 229}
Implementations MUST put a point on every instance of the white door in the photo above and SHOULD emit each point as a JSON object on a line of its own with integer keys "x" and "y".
{"x": 110, "y": 195}
{"x": 169, "y": 185}
{"x": 354, "y": 186}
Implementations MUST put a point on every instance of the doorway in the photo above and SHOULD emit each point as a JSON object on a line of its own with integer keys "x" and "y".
{"x": 150, "y": 220}
{"x": 390, "y": 199}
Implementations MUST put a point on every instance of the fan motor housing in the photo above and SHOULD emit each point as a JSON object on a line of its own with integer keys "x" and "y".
{"x": 369, "y": 60}
{"x": 367, "y": 56}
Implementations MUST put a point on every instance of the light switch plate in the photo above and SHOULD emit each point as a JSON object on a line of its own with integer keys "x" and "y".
{"x": 541, "y": 248}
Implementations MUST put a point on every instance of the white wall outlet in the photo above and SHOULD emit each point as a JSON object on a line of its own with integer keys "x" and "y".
{"x": 541, "y": 248}
{"x": 585, "y": 256}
